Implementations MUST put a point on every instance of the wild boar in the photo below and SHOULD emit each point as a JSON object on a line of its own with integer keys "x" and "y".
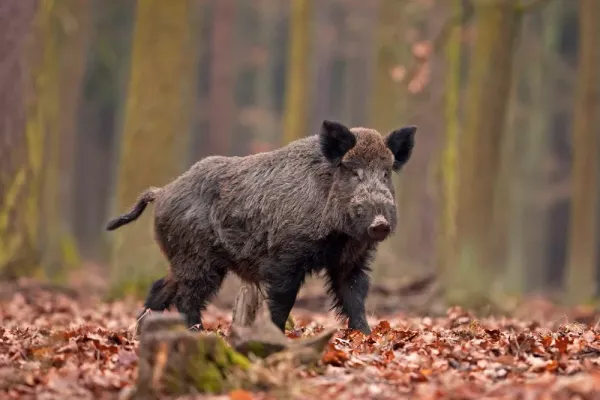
{"x": 322, "y": 203}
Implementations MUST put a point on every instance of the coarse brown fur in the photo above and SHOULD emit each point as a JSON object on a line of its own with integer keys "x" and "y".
{"x": 321, "y": 203}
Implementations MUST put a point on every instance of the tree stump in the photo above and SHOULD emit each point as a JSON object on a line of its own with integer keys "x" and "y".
{"x": 254, "y": 332}
{"x": 247, "y": 303}
{"x": 175, "y": 361}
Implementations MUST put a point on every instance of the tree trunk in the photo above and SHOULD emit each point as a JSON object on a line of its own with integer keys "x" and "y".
{"x": 20, "y": 143}
{"x": 175, "y": 361}
{"x": 582, "y": 253}
{"x": 156, "y": 114}
{"x": 449, "y": 165}
{"x": 388, "y": 105}
{"x": 480, "y": 147}
{"x": 246, "y": 305}
{"x": 528, "y": 220}
{"x": 64, "y": 55}
{"x": 43, "y": 133}
{"x": 104, "y": 89}
{"x": 48, "y": 104}
{"x": 296, "y": 116}
{"x": 358, "y": 30}
{"x": 73, "y": 62}
{"x": 323, "y": 37}
{"x": 267, "y": 132}
{"x": 222, "y": 79}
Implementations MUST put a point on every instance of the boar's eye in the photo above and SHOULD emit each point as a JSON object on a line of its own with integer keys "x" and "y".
{"x": 357, "y": 173}
{"x": 386, "y": 174}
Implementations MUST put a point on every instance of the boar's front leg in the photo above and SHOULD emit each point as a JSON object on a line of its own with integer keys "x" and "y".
{"x": 196, "y": 287}
{"x": 350, "y": 291}
{"x": 283, "y": 282}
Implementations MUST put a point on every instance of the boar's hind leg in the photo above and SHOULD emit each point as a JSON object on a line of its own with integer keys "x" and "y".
{"x": 283, "y": 284}
{"x": 350, "y": 293}
{"x": 161, "y": 295}
{"x": 195, "y": 289}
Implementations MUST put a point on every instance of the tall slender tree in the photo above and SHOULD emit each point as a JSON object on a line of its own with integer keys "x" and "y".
{"x": 75, "y": 40}
{"x": 497, "y": 25}
{"x": 104, "y": 85}
{"x": 64, "y": 48}
{"x": 389, "y": 99}
{"x": 583, "y": 229}
{"x": 20, "y": 143}
{"x": 267, "y": 130}
{"x": 388, "y": 103}
{"x": 530, "y": 144}
{"x": 449, "y": 165}
{"x": 221, "y": 96}
{"x": 323, "y": 36}
{"x": 359, "y": 24}
{"x": 152, "y": 143}
{"x": 295, "y": 120}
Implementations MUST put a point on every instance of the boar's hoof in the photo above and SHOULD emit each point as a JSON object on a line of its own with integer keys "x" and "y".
{"x": 362, "y": 327}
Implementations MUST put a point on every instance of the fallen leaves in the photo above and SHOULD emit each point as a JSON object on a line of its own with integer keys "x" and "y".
{"x": 240, "y": 395}
{"x": 461, "y": 356}
{"x": 334, "y": 357}
{"x": 53, "y": 347}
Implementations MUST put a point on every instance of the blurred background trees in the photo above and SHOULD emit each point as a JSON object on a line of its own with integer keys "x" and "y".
{"x": 102, "y": 98}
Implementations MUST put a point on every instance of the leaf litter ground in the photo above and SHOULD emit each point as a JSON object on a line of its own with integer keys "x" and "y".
{"x": 54, "y": 346}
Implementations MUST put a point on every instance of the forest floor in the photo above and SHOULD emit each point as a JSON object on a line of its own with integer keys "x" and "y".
{"x": 58, "y": 345}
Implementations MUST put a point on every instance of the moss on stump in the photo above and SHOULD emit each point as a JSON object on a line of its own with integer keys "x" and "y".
{"x": 174, "y": 361}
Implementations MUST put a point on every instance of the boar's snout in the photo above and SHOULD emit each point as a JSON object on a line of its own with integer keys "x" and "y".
{"x": 379, "y": 229}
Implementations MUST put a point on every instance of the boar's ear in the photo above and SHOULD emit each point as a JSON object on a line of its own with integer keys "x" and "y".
{"x": 401, "y": 143}
{"x": 335, "y": 140}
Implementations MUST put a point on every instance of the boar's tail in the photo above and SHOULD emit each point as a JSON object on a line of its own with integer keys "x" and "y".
{"x": 147, "y": 197}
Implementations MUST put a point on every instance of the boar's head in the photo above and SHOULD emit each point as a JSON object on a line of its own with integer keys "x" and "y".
{"x": 362, "y": 161}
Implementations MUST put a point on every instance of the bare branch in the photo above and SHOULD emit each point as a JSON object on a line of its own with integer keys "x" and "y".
{"x": 440, "y": 40}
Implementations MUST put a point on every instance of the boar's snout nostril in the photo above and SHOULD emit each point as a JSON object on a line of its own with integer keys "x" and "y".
{"x": 379, "y": 229}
